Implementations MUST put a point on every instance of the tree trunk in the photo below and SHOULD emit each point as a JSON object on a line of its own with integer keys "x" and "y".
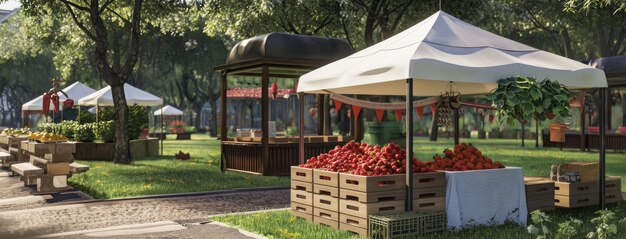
{"x": 198, "y": 119}
{"x": 121, "y": 153}
{"x": 213, "y": 128}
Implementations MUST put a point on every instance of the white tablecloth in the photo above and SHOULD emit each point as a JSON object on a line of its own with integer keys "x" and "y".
{"x": 486, "y": 197}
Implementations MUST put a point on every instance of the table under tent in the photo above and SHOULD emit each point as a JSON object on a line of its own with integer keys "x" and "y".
{"x": 425, "y": 60}
{"x": 587, "y": 137}
{"x": 32, "y": 109}
{"x": 250, "y": 145}
{"x": 165, "y": 116}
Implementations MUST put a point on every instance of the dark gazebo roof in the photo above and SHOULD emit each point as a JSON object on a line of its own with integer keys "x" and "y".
{"x": 614, "y": 67}
{"x": 287, "y": 50}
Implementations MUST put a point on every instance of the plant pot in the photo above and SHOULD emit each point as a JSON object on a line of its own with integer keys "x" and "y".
{"x": 144, "y": 133}
{"x": 557, "y": 132}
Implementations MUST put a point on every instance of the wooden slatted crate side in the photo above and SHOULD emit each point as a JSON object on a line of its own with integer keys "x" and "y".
{"x": 563, "y": 188}
{"x": 363, "y": 210}
{"x": 539, "y": 203}
{"x": 327, "y": 178}
{"x": 298, "y": 207}
{"x": 297, "y": 214}
{"x": 429, "y": 180}
{"x": 326, "y": 214}
{"x": 353, "y": 229}
{"x": 432, "y": 204}
{"x": 371, "y": 183}
{"x": 301, "y": 174}
{"x": 372, "y": 197}
{"x": 302, "y": 186}
{"x": 583, "y": 200}
{"x": 539, "y": 189}
{"x": 326, "y": 222}
{"x": 302, "y": 197}
{"x": 353, "y": 220}
{"x": 326, "y": 202}
{"x": 326, "y": 190}
{"x": 425, "y": 193}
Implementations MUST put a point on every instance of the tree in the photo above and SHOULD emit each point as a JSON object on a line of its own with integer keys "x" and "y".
{"x": 586, "y": 5}
{"x": 113, "y": 28}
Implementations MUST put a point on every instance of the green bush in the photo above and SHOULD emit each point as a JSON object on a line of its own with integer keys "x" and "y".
{"x": 190, "y": 129}
{"x": 106, "y": 114}
{"x": 137, "y": 121}
{"x": 104, "y": 131}
{"x": 84, "y": 133}
{"x": 67, "y": 128}
{"x": 85, "y": 117}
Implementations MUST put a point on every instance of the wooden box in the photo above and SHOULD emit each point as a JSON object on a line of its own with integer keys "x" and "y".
{"x": 354, "y": 229}
{"x": 297, "y": 214}
{"x": 542, "y": 204}
{"x": 326, "y": 214}
{"x": 424, "y": 193}
{"x": 588, "y": 171}
{"x": 60, "y": 157}
{"x": 301, "y": 174}
{"x": 326, "y": 190}
{"x": 573, "y": 201}
{"x": 307, "y": 209}
{"x": 537, "y": 189}
{"x": 325, "y": 221}
{"x": 41, "y": 148}
{"x": 326, "y": 202}
{"x": 353, "y": 221}
{"x": 65, "y": 148}
{"x": 58, "y": 168}
{"x": 371, "y": 183}
{"x": 302, "y": 186}
{"x": 563, "y": 188}
{"x": 372, "y": 197}
{"x": 323, "y": 177}
{"x": 428, "y": 180}
{"x": 302, "y": 197}
{"x": 363, "y": 210}
{"x": 430, "y": 204}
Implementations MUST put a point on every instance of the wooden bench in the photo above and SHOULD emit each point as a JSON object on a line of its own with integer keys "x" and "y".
{"x": 29, "y": 172}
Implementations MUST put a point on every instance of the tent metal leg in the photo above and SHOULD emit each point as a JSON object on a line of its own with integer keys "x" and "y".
{"x": 409, "y": 145}
{"x": 301, "y": 129}
{"x": 456, "y": 127}
{"x": 602, "y": 123}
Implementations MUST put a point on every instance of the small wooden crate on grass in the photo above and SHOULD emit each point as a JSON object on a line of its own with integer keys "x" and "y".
{"x": 573, "y": 195}
{"x": 406, "y": 224}
{"x": 539, "y": 194}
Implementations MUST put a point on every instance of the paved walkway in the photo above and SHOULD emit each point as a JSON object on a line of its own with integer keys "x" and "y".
{"x": 24, "y": 214}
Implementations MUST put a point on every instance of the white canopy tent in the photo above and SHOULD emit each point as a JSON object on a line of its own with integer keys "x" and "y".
{"x": 168, "y": 110}
{"x": 104, "y": 97}
{"x": 424, "y": 59}
{"x": 74, "y": 91}
{"x": 438, "y": 50}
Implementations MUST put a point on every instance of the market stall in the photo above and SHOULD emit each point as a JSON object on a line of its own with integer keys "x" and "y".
{"x": 277, "y": 59}
{"x": 74, "y": 91}
{"x": 168, "y": 112}
{"x": 431, "y": 58}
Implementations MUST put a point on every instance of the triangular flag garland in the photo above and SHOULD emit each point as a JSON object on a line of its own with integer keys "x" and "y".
{"x": 399, "y": 114}
{"x": 338, "y": 104}
{"x": 356, "y": 110}
{"x": 420, "y": 112}
{"x": 379, "y": 115}
{"x": 433, "y": 109}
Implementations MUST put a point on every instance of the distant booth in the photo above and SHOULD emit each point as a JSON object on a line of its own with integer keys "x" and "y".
{"x": 260, "y": 79}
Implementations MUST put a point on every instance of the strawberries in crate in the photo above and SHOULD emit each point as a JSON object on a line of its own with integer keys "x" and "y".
{"x": 365, "y": 159}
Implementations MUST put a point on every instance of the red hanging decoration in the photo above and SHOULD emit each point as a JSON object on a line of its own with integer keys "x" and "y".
{"x": 379, "y": 115}
{"x": 420, "y": 112}
{"x": 550, "y": 116}
{"x": 312, "y": 112}
{"x": 491, "y": 118}
{"x": 356, "y": 110}
{"x": 274, "y": 90}
{"x": 46, "y": 103}
{"x": 338, "y": 104}
{"x": 68, "y": 103}
{"x": 399, "y": 114}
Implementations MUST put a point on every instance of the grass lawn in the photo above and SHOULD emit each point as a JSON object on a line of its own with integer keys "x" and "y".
{"x": 280, "y": 224}
{"x": 159, "y": 175}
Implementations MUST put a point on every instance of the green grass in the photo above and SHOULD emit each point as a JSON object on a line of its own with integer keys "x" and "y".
{"x": 280, "y": 224}
{"x": 160, "y": 175}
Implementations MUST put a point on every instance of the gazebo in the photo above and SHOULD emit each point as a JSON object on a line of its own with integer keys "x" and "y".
{"x": 441, "y": 50}
{"x": 74, "y": 91}
{"x": 274, "y": 55}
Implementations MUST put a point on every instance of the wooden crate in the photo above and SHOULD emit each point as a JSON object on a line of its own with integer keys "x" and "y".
{"x": 539, "y": 189}
{"x": 353, "y": 221}
{"x": 58, "y": 168}
{"x": 589, "y": 172}
{"x": 363, "y": 210}
{"x": 326, "y": 202}
{"x": 542, "y": 204}
{"x": 297, "y": 214}
{"x": 326, "y": 190}
{"x": 302, "y": 186}
{"x": 327, "y": 178}
{"x": 354, "y": 229}
{"x": 302, "y": 197}
{"x": 60, "y": 157}
{"x": 372, "y": 197}
{"x": 429, "y": 180}
{"x": 302, "y": 208}
{"x": 424, "y": 193}
{"x": 583, "y": 200}
{"x": 326, "y": 222}
{"x": 301, "y": 174}
{"x": 326, "y": 214}
{"x": 430, "y": 204}
{"x": 563, "y": 188}
{"x": 371, "y": 184}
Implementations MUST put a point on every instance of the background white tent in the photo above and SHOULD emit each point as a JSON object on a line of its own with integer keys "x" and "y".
{"x": 104, "y": 97}
{"x": 74, "y": 91}
{"x": 168, "y": 110}
{"x": 438, "y": 50}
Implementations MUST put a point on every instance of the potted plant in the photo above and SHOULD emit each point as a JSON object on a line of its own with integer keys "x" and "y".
{"x": 177, "y": 126}
{"x": 524, "y": 98}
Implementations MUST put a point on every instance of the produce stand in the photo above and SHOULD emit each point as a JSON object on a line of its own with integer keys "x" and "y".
{"x": 274, "y": 55}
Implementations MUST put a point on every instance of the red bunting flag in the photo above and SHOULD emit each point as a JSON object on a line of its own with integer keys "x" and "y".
{"x": 399, "y": 114}
{"x": 379, "y": 115}
{"x": 420, "y": 111}
{"x": 356, "y": 110}
{"x": 433, "y": 109}
{"x": 338, "y": 104}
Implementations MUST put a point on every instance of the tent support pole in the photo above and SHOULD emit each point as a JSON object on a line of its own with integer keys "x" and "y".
{"x": 602, "y": 122}
{"x": 536, "y": 133}
{"x": 301, "y": 129}
{"x": 161, "y": 116}
{"x": 409, "y": 145}
{"x": 583, "y": 143}
{"x": 456, "y": 127}
{"x": 78, "y": 117}
{"x": 523, "y": 134}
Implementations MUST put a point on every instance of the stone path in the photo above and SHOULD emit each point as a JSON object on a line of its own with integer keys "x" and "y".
{"x": 37, "y": 216}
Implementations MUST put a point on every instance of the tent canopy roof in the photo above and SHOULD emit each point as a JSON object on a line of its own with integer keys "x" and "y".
{"x": 74, "y": 91}
{"x": 168, "y": 110}
{"x": 104, "y": 97}
{"x": 438, "y": 50}
{"x": 287, "y": 50}
{"x": 614, "y": 67}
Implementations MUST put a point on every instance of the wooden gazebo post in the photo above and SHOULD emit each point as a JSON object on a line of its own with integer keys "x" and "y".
{"x": 265, "y": 117}
{"x": 223, "y": 123}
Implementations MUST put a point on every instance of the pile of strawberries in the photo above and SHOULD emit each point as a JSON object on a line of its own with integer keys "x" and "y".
{"x": 373, "y": 160}
{"x": 464, "y": 157}
{"x": 365, "y": 159}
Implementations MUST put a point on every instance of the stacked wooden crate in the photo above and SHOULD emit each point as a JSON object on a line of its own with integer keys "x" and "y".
{"x": 539, "y": 194}
{"x": 55, "y": 159}
{"x": 326, "y": 198}
{"x": 302, "y": 193}
{"x": 572, "y": 195}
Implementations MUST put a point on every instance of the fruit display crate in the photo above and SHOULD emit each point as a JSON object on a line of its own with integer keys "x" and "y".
{"x": 573, "y": 195}
{"x": 302, "y": 193}
{"x": 49, "y": 148}
{"x": 539, "y": 194}
{"x": 406, "y": 224}
{"x": 8, "y": 141}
